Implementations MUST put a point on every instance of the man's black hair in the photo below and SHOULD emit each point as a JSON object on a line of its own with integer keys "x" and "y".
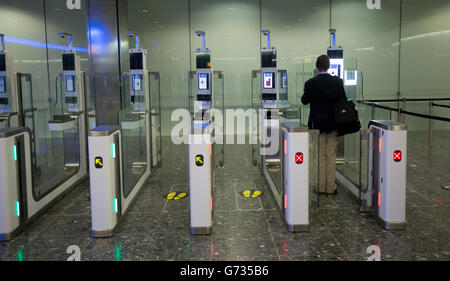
{"x": 323, "y": 62}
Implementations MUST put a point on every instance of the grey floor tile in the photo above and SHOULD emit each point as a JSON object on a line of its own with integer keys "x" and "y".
{"x": 179, "y": 246}
{"x": 243, "y": 229}
{"x": 121, "y": 247}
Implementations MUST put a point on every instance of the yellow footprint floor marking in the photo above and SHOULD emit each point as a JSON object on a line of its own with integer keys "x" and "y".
{"x": 176, "y": 195}
{"x": 251, "y": 193}
{"x": 171, "y": 195}
{"x": 180, "y": 196}
{"x": 256, "y": 193}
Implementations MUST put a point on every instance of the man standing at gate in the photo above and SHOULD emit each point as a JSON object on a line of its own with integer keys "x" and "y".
{"x": 322, "y": 93}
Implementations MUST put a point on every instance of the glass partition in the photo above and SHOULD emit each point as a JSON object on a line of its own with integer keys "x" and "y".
{"x": 134, "y": 130}
{"x": 56, "y": 138}
{"x": 350, "y": 162}
{"x": 219, "y": 131}
{"x": 89, "y": 85}
{"x": 305, "y": 71}
{"x": 256, "y": 106}
{"x": 28, "y": 111}
{"x": 155, "y": 113}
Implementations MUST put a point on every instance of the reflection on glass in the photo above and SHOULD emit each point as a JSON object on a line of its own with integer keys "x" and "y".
{"x": 219, "y": 104}
{"x": 155, "y": 110}
{"x": 256, "y": 106}
{"x": 133, "y": 127}
{"x": 56, "y": 138}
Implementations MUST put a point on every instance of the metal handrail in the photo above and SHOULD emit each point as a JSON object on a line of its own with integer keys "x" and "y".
{"x": 408, "y": 99}
{"x": 374, "y": 105}
{"x": 440, "y": 105}
{"x": 430, "y": 117}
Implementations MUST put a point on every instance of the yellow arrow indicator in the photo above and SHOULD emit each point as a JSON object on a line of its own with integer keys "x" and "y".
{"x": 199, "y": 160}
{"x": 98, "y": 162}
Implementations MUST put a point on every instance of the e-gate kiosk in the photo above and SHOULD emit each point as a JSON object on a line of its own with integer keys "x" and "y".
{"x": 74, "y": 104}
{"x": 18, "y": 201}
{"x": 382, "y": 173}
{"x": 106, "y": 155}
{"x": 336, "y": 55}
{"x": 288, "y": 149}
{"x": 337, "y": 67}
{"x": 201, "y": 146}
{"x": 386, "y": 194}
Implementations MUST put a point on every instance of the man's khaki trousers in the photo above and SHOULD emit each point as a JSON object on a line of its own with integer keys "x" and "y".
{"x": 328, "y": 143}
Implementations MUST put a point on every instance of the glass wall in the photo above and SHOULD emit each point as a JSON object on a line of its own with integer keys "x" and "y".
{"x": 425, "y": 54}
{"x": 400, "y": 49}
{"x": 370, "y": 37}
{"x": 163, "y": 27}
{"x": 32, "y": 41}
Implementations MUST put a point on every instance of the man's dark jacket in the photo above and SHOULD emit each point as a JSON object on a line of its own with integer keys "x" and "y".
{"x": 323, "y": 92}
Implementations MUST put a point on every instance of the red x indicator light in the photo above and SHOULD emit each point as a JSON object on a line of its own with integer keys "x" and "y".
{"x": 298, "y": 158}
{"x": 397, "y": 156}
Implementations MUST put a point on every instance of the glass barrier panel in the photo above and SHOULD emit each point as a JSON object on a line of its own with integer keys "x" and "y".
{"x": 219, "y": 130}
{"x": 56, "y": 138}
{"x": 256, "y": 122}
{"x": 133, "y": 127}
{"x": 29, "y": 112}
{"x": 89, "y": 89}
{"x": 314, "y": 167}
{"x": 155, "y": 113}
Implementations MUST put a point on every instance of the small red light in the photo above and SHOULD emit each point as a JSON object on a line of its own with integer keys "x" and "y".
{"x": 211, "y": 203}
{"x": 285, "y": 201}
{"x": 299, "y": 158}
{"x": 379, "y": 199}
{"x": 397, "y": 156}
{"x": 285, "y": 147}
{"x": 380, "y": 144}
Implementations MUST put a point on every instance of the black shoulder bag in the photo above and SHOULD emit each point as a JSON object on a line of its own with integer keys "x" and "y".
{"x": 346, "y": 118}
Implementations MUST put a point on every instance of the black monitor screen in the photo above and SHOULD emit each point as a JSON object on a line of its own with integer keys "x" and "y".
{"x": 136, "y": 61}
{"x": 203, "y": 60}
{"x": 268, "y": 58}
{"x": 2, "y": 62}
{"x": 71, "y": 100}
{"x": 269, "y": 96}
{"x": 68, "y": 62}
{"x": 335, "y": 54}
{"x": 204, "y": 97}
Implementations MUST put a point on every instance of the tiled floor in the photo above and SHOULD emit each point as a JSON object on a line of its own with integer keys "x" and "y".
{"x": 246, "y": 229}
